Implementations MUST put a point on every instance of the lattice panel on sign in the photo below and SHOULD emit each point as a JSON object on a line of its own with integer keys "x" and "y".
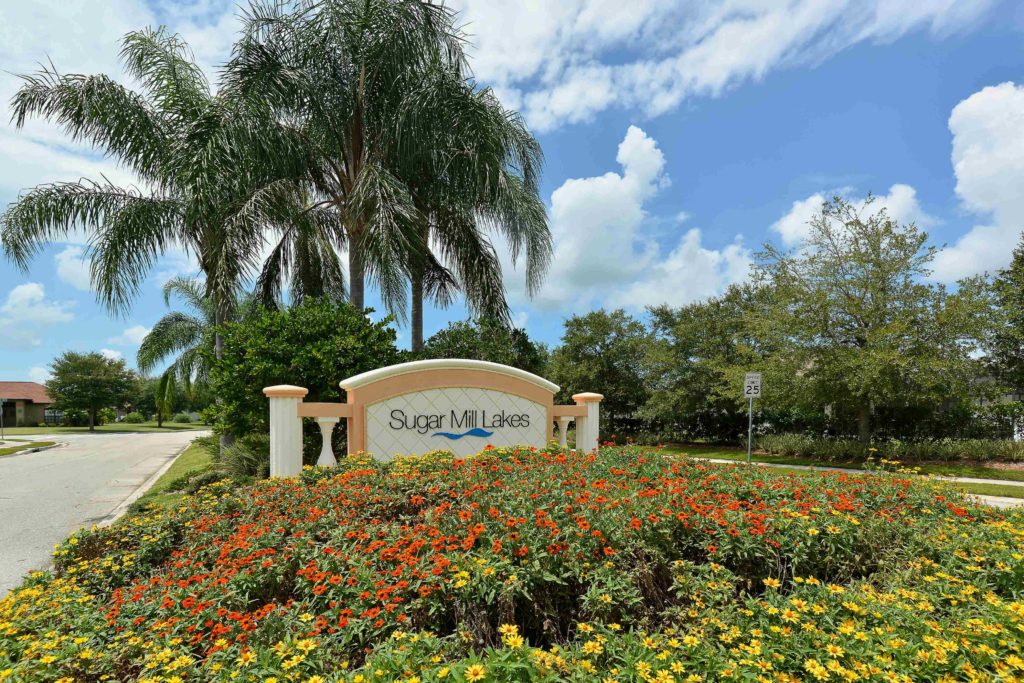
{"x": 384, "y": 440}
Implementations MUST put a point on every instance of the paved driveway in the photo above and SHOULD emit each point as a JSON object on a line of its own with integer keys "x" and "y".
{"x": 45, "y": 496}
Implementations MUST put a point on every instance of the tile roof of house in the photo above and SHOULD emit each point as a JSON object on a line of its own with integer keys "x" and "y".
{"x": 25, "y": 391}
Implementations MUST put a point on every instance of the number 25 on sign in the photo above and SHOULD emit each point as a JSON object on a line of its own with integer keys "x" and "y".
{"x": 751, "y": 390}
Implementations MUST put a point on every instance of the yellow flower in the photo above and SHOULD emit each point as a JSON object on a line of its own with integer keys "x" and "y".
{"x": 772, "y": 583}
{"x": 475, "y": 672}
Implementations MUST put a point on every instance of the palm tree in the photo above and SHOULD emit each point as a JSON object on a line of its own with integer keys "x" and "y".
{"x": 479, "y": 175}
{"x": 412, "y": 156}
{"x": 335, "y": 74}
{"x": 188, "y": 147}
{"x": 187, "y": 336}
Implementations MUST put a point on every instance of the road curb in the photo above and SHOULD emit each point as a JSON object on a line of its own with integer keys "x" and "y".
{"x": 35, "y": 450}
{"x": 119, "y": 511}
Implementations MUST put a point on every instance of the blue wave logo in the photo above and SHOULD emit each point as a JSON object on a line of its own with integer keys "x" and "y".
{"x": 475, "y": 431}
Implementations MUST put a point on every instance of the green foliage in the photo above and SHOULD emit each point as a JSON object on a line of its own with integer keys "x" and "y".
{"x": 73, "y": 417}
{"x": 695, "y": 363}
{"x": 313, "y": 345}
{"x": 106, "y": 416}
{"x": 922, "y": 451}
{"x": 852, "y": 323}
{"x": 1006, "y": 344}
{"x": 184, "y": 418}
{"x": 134, "y": 417}
{"x": 89, "y": 382}
{"x": 604, "y": 353}
{"x": 490, "y": 340}
{"x": 247, "y": 457}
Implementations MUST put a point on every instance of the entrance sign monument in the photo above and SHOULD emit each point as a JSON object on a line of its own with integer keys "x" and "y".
{"x": 414, "y": 408}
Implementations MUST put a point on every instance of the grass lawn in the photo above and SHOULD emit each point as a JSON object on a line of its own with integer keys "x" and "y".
{"x": 945, "y": 470}
{"x": 25, "y": 446}
{"x": 194, "y": 460}
{"x": 115, "y": 427}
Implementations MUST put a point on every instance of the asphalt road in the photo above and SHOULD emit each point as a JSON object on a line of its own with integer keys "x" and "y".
{"x": 45, "y": 496}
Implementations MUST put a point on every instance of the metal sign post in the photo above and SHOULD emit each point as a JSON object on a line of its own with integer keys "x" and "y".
{"x": 752, "y": 390}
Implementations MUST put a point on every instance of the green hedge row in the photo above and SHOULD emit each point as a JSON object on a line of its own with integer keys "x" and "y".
{"x": 831, "y": 449}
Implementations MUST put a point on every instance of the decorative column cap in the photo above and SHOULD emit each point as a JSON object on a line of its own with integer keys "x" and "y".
{"x": 587, "y": 397}
{"x": 285, "y": 391}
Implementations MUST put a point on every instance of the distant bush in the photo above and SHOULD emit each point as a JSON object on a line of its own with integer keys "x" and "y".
{"x": 184, "y": 418}
{"x": 75, "y": 417}
{"x": 134, "y": 417}
{"x": 105, "y": 416}
{"x": 838, "y": 450}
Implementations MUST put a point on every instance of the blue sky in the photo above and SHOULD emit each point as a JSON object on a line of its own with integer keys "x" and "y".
{"x": 678, "y": 137}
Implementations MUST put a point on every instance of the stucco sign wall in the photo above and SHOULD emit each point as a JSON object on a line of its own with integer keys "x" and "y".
{"x": 413, "y": 408}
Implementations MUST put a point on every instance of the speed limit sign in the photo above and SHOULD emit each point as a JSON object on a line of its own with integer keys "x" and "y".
{"x": 752, "y": 385}
{"x": 751, "y": 390}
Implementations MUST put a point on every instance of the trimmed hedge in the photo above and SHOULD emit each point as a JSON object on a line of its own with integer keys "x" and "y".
{"x": 932, "y": 450}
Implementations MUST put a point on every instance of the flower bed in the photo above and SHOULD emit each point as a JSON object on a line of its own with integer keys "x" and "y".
{"x": 523, "y": 565}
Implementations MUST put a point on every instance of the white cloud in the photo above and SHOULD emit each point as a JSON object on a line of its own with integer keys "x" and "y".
{"x": 84, "y": 37}
{"x": 988, "y": 160}
{"x": 607, "y": 253}
{"x": 900, "y": 203}
{"x": 132, "y": 336}
{"x": 72, "y": 267}
{"x": 565, "y": 61}
{"x": 27, "y": 313}
{"x": 39, "y": 374}
{"x": 112, "y": 354}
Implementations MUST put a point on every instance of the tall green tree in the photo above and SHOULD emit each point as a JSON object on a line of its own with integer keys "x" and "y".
{"x": 856, "y": 325}
{"x": 1006, "y": 344}
{"x": 695, "y": 364}
{"x": 474, "y": 176}
{"x": 90, "y": 382}
{"x": 490, "y": 340}
{"x": 376, "y": 117}
{"x": 604, "y": 352}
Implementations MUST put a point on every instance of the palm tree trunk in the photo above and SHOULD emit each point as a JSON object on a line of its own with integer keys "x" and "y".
{"x": 416, "y": 320}
{"x": 226, "y": 439}
{"x": 356, "y": 275}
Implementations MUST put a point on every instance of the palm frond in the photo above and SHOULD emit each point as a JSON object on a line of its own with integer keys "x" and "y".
{"x": 172, "y": 334}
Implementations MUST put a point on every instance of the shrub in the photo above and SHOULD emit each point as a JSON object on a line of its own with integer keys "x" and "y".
{"x": 105, "y": 416}
{"x": 249, "y": 456}
{"x": 183, "y": 418}
{"x": 134, "y": 418}
{"x": 931, "y": 450}
{"x": 518, "y": 565}
{"x": 313, "y": 345}
{"x": 74, "y": 417}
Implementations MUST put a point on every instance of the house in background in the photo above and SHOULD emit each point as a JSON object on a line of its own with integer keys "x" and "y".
{"x": 25, "y": 403}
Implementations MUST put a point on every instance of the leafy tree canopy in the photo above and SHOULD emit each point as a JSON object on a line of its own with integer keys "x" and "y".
{"x": 1006, "y": 345}
{"x": 313, "y": 345}
{"x": 490, "y": 340}
{"x": 604, "y": 352}
{"x": 90, "y": 382}
{"x": 853, "y": 323}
